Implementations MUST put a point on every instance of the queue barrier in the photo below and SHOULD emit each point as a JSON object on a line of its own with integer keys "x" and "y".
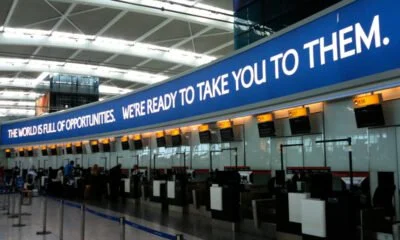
{"x": 120, "y": 220}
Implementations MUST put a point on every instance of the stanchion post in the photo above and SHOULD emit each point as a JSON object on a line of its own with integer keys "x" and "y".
{"x": 122, "y": 226}
{"x": 61, "y": 219}
{"x": 83, "y": 210}
{"x": 13, "y": 215}
{"x": 8, "y": 204}
{"x": 179, "y": 237}
{"x": 4, "y": 201}
{"x": 44, "y": 231}
{"x": 19, "y": 224}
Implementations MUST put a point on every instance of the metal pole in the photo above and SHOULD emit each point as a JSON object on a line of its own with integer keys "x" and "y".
{"x": 61, "y": 219}
{"x": 4, "y": 200}
{"x": 281, "y": 157}
{"x": 211, "y": 162}
{"x": 19, "y": 224}
{"x": 122, "y": 225}
{"x": 350, "y": 164}
{"x": 13, "y": 215}
{"x": 236, "y": 159}
{"x": 8, "y": 203}
{"x": 44, "y": 231}
{"x": 83, "y": 210}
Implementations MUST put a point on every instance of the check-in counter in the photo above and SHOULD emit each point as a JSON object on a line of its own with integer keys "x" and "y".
{"x": 43, "y": 181}
{"x": 126, "y": 185}
{"x": 177, "y": 193}
{"x": 159, "y": 193}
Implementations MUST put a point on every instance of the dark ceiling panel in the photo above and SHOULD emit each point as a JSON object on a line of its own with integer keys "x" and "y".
{"x": 223, "y": 52}
{"x": 91, "y": 23}
{"x": 124, "y": 61}
{"x": 7, "y": 74}
{"x": 92, "y": 57}
{"x": 156, "y": 66}
{"x": 179, "y": 70}
{"x": 55, "y": 53}
{"x": 29, "y": 74}
{"x": 82, "y": 7}
{"x": 175, "y": 30}
{"x": 204, "y": 44}
{"x": 5, "y": 6}
{"x": 62, "y": 7}
{"x": 29, "y": 12}
{"x": 17, "y": 51}
{"x": 133, "y": 25}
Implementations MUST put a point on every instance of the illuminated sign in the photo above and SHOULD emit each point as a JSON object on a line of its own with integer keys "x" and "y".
{"x": 21, "y": 149}
{"x": 69, "y": 145}
{"x": 160, "y": 134}
{"x": 124, "y": 138}
{"x": 94, "y": 142}
{"x": 364, "y": 101}
{"x": 44, "y": 147}
{"x": 105, "y": 141}
{"x": 204, "y": 128}
{"x": 137, "y": 137}
{"x": 30, "y": 148}
{"x": 175, "y": 132}
{"x": 224, "y": 124}
{"x": 53, "y": 147}
{"x": 78, "y": 144}
{"x": 268, "y": 117}
{"x": 298, "y": 112}
{"x": 313, "y": 57}
{"x": 8, "y": 150}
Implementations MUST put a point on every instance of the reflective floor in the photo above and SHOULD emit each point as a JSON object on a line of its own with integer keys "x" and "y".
{"x": 99, "y": 228}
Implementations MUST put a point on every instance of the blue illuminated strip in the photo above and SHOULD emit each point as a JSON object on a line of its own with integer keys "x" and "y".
{"x": 116, "y": 219}
{"x": 102, "y": 215}
{"x": 332, "y": 50}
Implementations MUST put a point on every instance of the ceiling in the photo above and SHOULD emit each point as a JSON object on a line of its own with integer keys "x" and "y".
{"x": 127, "y": 43}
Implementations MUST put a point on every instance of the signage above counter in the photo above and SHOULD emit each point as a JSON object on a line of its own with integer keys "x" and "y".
{"x": 335, "y": 48}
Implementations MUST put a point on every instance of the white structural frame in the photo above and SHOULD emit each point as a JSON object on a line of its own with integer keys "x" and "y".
{"x": 162, "y": 9}
{"x": 29, "y": 37}
{"x": 32, "y": 65}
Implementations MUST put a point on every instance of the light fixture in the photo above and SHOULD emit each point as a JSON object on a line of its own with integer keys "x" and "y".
{"x": 105, "y": 89}
{"x": 33, "y": 65}
{"x": 35, "y": 37}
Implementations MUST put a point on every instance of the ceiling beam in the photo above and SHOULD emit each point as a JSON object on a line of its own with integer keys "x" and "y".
{"x": 32, "y": 65}
{"x": 89, "y": 45}
{"x": 156, "y": 11}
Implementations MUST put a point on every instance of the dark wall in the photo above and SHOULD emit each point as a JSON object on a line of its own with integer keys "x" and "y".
{"x": 263, "y": 17}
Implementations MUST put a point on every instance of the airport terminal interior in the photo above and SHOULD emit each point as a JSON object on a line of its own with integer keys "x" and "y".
{"x": 199, "y": 119}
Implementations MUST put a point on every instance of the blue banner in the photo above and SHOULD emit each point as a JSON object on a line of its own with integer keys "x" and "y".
{"x": 357, "y": 40}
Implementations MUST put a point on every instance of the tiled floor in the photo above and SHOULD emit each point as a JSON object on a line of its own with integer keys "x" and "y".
{"x": 98, "y": 228}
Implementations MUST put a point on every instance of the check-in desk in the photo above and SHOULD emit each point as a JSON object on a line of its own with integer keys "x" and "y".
{"x": 43, "y": 181}
{"x": 177, "y": 193}
{"x": 159, "y": 193}
{"x": 134, "y": 185}
{"x": 225, "y": 200}
{"x": 125, "y": 186}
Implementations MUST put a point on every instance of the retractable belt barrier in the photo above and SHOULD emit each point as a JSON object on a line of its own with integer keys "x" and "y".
{"x": 121, "y": 220}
